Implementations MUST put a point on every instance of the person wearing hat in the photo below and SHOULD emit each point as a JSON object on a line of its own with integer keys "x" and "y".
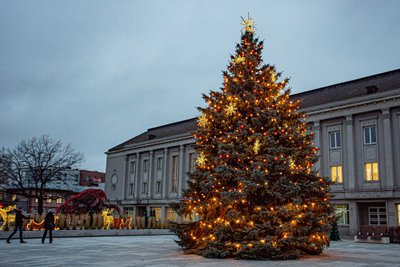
{"x": 48, "y": 226}
{"x": 19, "y": 223}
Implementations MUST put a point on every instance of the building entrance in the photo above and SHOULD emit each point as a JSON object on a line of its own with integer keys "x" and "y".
{"x": 373, "y": 213}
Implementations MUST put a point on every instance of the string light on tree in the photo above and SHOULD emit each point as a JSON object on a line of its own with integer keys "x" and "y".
{"x": 292, "y": 165}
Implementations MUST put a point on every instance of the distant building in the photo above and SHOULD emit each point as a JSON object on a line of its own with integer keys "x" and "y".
{"x": 57, "y": 196}
{"x": 357, "y": 128}
{"x": 91, "y": 178}
{"x": 69, "y": 183}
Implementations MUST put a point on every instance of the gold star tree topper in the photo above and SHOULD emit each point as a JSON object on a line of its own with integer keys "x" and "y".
{"x": 230, "y": 109}
{"x": 248, "y": 24}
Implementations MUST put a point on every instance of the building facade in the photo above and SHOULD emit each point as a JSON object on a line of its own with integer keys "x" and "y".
{"x": 67, "y": 184}
{"x": 357, "y": 131}
{"x": 56, "y": 197}
{"x": 91, "y": 178}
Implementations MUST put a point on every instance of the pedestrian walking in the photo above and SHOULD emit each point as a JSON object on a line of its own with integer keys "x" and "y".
{"x": 19, "y": 223}
{"x": 48, "y": 226}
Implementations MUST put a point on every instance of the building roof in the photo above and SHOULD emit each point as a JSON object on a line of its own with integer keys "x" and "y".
{"x": 172, "y": 129}
{"x": 377, "y": 83}
{"x": 53, "y": 186}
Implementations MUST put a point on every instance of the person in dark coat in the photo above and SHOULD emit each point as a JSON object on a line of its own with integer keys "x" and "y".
{"x": 48, "y": 226}
{"x": 19, "y": 223}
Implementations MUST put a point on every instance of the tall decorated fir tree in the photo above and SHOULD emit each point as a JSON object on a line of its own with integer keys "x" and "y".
{"x": 253, "y": 187}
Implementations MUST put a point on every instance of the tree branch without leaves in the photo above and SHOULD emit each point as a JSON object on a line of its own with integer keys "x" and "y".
{"x": 33, "y": 164}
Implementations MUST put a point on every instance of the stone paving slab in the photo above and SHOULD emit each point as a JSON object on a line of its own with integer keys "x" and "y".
{"x": 162, "y": 251}
{"x": 89, "y": 233}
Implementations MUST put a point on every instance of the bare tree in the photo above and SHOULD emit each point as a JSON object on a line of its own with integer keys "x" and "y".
{"x": 34, "y": 164}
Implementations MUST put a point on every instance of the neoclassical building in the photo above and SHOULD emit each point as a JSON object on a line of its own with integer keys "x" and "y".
{"x": 357, "y": 130}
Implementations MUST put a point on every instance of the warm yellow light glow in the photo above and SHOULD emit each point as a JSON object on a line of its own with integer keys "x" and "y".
{"x": 248, "y": 24}
{"x": 230, "y": 109}
{"x": 201, "y": 160}
{"x": 256, "y": 146}
{"x": 202, "y": 120}
{"x": 239, "y": 59}
{"x": 108, "y": 218}
{"x": 291, "y": 164}
{"x": 6, "y": 218}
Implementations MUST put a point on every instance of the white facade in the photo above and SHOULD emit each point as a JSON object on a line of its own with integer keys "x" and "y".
{"x": 366, "y": 163}
{"x": 358, "y": 135}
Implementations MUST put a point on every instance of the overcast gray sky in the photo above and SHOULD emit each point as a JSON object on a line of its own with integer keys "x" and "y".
{"x": 96, "y": 73}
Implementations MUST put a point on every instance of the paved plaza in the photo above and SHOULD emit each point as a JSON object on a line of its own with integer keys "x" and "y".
{"x": 163, "y": 251}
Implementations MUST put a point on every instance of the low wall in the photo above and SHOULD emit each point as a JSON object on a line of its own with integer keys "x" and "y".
{"x": 89, "y": 233}
{"x": 383, "y": 240}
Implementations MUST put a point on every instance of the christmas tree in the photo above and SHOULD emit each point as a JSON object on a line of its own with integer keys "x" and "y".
{"x": 253, "y": 186}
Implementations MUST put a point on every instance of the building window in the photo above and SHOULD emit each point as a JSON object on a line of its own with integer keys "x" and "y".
{"x": 377, "y": 216}
{"x": 369, "y": 135}
{"x": 129, "y": 212}
{"x": 371, "y": 172}
{"x": 398, "y": 214}
{"x": 342, "y": 214}
{"x": 159, "y": 164}
{"x": 132, "y": 168}
{"x": 335, "y": 141}
{"x": 59, "y": 200}
{"x": 48, "y": 200}
{"x": 158, "y": 187}
{"x": 336, "y": 174}
{"x": 131, "y": 189}
{"x": 174, "y": 188}
{"x": 172, "y": 215}
{"x": 145, "y": 165}
{"x": 144, "y": 189}
{"x": 157, "y": 212}
{"x": 36, "y": 200}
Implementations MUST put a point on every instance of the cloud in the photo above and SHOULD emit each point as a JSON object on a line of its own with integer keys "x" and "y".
{"x": 96, "y": 75}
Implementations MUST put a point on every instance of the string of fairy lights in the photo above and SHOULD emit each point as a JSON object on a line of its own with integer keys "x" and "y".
{"x": 250, "y": 140}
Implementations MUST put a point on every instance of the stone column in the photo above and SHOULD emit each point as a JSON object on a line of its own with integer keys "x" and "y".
{"x": 165, "y": 173}
{"x": 317, "y": 143}
{"x": 125, "y": 183}
{"x": 163, "y": 214}
{"x": 135, "y": 214}
{"x": 350, "y": 153}
{"x": 151, "y": 174}
{"x": 387, "y": 144}
{"x": 181, "y": 178}
{"x": 137, "y": 178}
{"x": 354, "y": 216}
